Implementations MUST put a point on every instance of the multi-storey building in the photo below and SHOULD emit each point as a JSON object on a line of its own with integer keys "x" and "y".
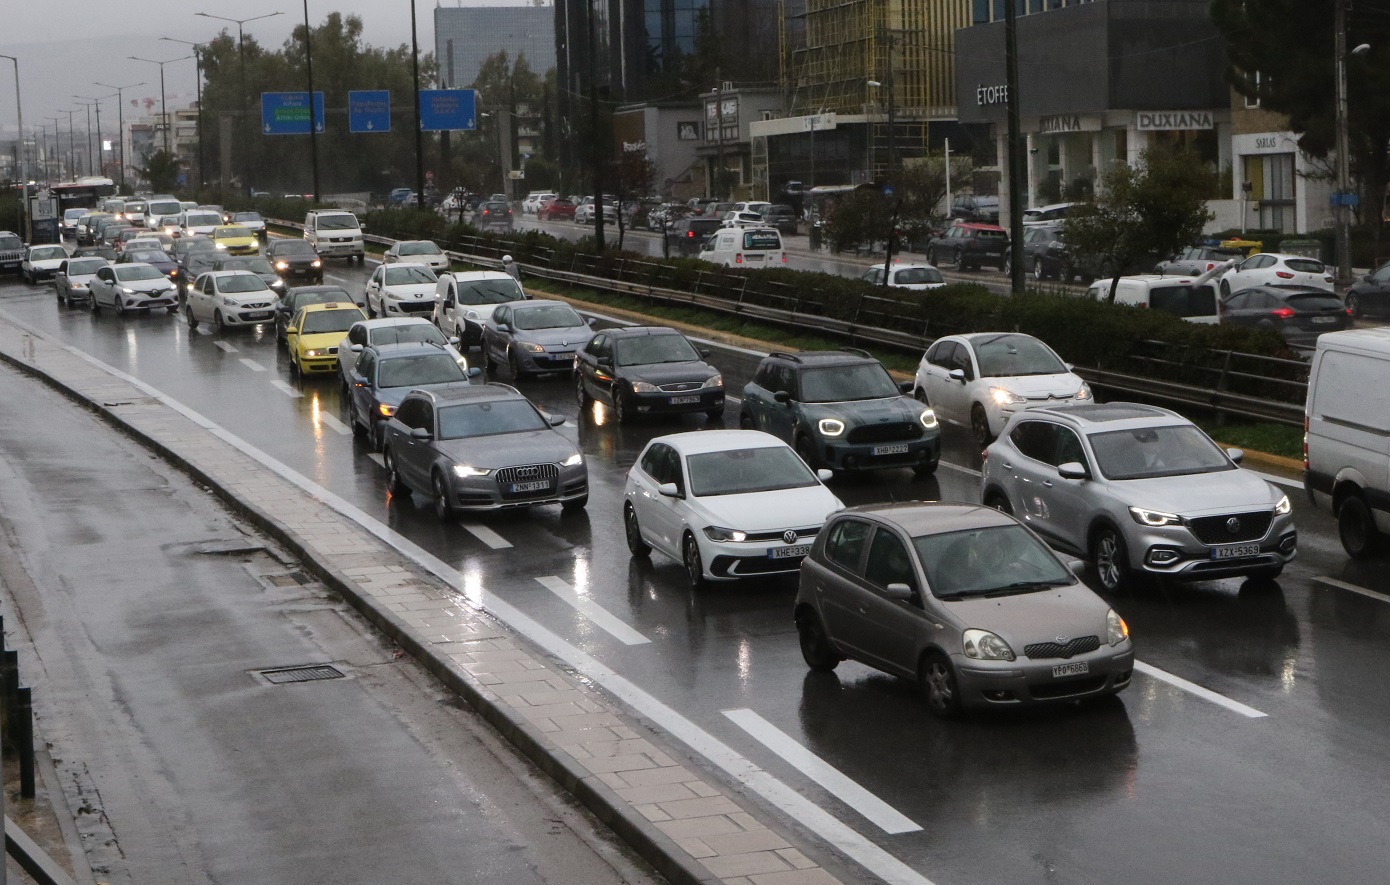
{"x": 465, "y": 36}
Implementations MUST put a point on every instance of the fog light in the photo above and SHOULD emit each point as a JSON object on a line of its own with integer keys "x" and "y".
{"x": 1288, "y": 543}
{"x": 1161, "y": 556}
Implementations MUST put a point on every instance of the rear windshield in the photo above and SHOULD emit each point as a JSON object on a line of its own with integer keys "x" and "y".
{"x": 1184, "y": 301}
{"x": 1313, "y": 301}
{"x": 1305, "y": 265}
{"x": 490, "y": 292}
{"x": 327, "y": 320}
{"x": 412, "y": 371}
{"x": 991, "y": 235}
{"x": 762, "y": 240}
{"x": 914, "y": 275}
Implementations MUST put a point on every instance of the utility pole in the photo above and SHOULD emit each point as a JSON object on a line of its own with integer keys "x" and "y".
{"x": 87, "y": 103}
{"x": 596, "y": 142}
{"x": 198, "y": 49}
{"x": 313, "y": 123}
{"x": 419, "y": 133}
{"x": 245, "y": 116}
{"x": 120, "y": 122}
{"x": 19, "y": 113}
{"x": 1015, "y": 154}
{"x": 163, "y": 110}
{"x": 719, "y": 129}
{"x": 1343, "y": 146}
{"x": 72, "y": 148}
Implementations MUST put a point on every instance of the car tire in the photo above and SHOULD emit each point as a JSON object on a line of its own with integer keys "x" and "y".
{"x": 484, "y": 361}
{"x": 173, "y": 309}
{"x": 922, "y": 471}
{"x": 620, "y": 412}
{"x": 1110, "y": 559}
{"x": 1266, "y": 577}
{"x": 816, "y": 649}
{"x": 807, "y": 451}
{"x": 921, "y": 396}
{"x": 745, "y": 421}
{"x": 937, "y": 680}
{"x": 394, "y": 484}
{"x": 931, "y": 257}
{"x": 188, "y": 315}
{"x": 716, "y": 414}
{"x": 694, "y": 565}
{"x": 218, "y": 322}
{"x": 581, "y": 394}
{"x": 359, "y": 429}
{"x": 62, "y": 299}
{"x": 443, "y": 510}
{"x": 94, "y": 306}
{"x": 120, "y": 306}
{"x": 1357, "y": 528}
{"x": 960, "y": 260}
{"x": 999, "y": 502}
{"x": 633, "y": 532}
{"x": 979, "y": 426}
{"x": 1007, "y": 265}
{"x": 1353, "y": 305}
{"x": 1038, "y": 273}
{"x": 514, "y": 363}
{"x": 1225, "y": 289}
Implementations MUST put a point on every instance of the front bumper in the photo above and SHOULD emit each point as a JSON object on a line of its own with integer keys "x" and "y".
{"x": 550, "y": 361}
{"x": 765, "y": 554}
{"x": 1175, "y": 552}
{"x": 249, "y": 316}
{"x": 422, "y": 308}
{"x": 1026, "y": 681}
{"x": 141, "y": 301}
{"x": 676, "y": 403}
{"x": 319, "y": 365}
{"x": 491, "y": 492}
{"x": 839, "y": 455}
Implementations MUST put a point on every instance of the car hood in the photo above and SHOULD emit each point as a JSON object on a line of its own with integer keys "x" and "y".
{"x": 576, "y": 336}
{"x": 1038, "y": 386}
{"x": 867, "y": 411}
{"x": 47, "y": 263}
{"x": 1200, "y": 494}
{"x": 765, "y": 511}
{"x": 160, "y": 285}
{"x": 410, "y": 292}
{"x": 320, "y": 340}
{"x": 482, "y": 312}
{"x": 509, "y": 449}
{"x": 1064, "y": 613}
{"x": 670, "y": 373}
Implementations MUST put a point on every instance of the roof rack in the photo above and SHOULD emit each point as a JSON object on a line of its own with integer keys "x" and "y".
{"x": 857, "y": 351}
{"x": 785, "y": 356}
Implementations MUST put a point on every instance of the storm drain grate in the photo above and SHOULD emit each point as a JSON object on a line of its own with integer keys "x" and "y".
{"x": 306, "y": 673}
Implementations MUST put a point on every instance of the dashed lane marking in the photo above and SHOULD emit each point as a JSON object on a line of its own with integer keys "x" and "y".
{"x": 226, "y": 348}
{"x": 486, "y": 535}
{"x": 1205, "y": 694}
{"x": 252, "y": 365}
{"x": 285, "y": 388}
{"x": 601, "y": 617}
{"x": 1351, "y": 588}
{"x": 339, "y": 427}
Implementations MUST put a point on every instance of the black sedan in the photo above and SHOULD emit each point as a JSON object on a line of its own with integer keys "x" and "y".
{"x": 294, "y": 260}
{"x": 1299, "y": 313}
{"x": 647, "y": 370}
{"x": 1370, "y": 295}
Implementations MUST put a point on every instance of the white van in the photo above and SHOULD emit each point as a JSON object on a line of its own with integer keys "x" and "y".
{"x": 1346, "y": 422}
{"x": 334, "y": 233}
{"x": 200, "y": 221}
{"x": 1194, "y": 299}
{"x": 163, "y": 216}
{"x": 745, "y": 247}
{"x": 464, "y": 302}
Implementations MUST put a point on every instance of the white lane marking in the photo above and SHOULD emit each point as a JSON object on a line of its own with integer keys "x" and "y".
{"x": 226, "y": 348}
{"x": 486, "y": 535}
{"x": 1205, "y": 694}
{"x": 593, "y": 611}
{"x": 1351, "y": 588}
{"x": 880, "y": 813}
{"x": 1278, "y": 480}
{"x": 854, "y": 845}
{"x": 285, "y": 388}
{"x": 958, "y": 468}
{"x": 377, "y": 459}
{"x": 341, "y": 428}
{"x": 252, "y": 365}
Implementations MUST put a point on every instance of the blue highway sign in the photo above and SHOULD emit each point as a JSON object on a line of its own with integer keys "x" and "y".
{"x": 287, "y": 113}
{"x": 448, "y": 110}
{"x": 369, "y": 110}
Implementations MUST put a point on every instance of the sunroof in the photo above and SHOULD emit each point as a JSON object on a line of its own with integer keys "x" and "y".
{"x": 1099, "y": 412}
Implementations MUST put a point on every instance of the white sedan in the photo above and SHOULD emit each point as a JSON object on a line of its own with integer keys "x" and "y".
{"x": 981, "y": 380}
{"x": 726, "y": 504}
{"x": 917, "y": 277}
{"x": 417, "y": 252}
{"x": 1273, "y": 268}
{"x": 401, "y": 290}
{"x": 743, "y": 219}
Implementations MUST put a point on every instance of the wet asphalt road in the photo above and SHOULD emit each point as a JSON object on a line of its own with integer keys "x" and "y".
{"x": 1162, "y": 785}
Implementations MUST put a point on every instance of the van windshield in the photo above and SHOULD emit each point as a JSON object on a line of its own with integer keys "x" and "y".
{"x": 338, "y": 222}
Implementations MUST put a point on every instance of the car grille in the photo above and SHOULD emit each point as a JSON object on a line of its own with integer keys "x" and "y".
{"x": 1217, "y": 530}
{"x": 416, "y": 306}
{"x": 1069, "y": 649}
{"x": 802, "y": 535}
{"x": 1051, "y": 398}
{"x": 876, "y": 433}
{"x": 259, "y": 305}
{"x": 680, "y": 386}
{"x": 527, "y": 473}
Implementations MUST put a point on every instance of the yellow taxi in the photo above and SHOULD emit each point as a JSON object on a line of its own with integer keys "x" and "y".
{"x": 236, "y": 240}
{"x": 313, "y": 335}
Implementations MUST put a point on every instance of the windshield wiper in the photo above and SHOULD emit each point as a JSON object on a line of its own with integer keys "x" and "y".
{"x": 1024, "y": 587}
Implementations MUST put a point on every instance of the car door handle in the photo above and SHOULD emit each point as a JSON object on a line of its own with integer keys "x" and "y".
{"x": 1008, "y": 466}
{"x": 1047, "y": 484}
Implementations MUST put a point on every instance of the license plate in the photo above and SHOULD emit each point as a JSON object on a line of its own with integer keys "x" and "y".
{"x": 789, "y": 552}
{"x": 1235, "y": 551}
{"x": 1079, "y": 668}
{"x": 260, "y": 315}
{"x": 895, "y": 449}
{"x": 535, "y": 486}
{"x": 683, "y": 400}
{"x": 1324, "y": 319}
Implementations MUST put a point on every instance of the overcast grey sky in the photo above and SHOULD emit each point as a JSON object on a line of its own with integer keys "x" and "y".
{"x": 65, "y": 45}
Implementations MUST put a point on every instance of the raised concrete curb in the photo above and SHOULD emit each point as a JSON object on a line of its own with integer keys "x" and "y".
{"x": 692, "y": 830}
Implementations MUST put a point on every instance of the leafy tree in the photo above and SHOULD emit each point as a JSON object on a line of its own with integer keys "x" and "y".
{"x": 161, "y": 170}
{"x": 862, "y": 218}
{"x": 1143, "y": 214}
{"x": 630, "y": 178}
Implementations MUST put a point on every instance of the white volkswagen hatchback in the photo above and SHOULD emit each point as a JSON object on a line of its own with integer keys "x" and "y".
{"x": 403, "y": 289}
{"x": 981, "y": 380}
{"x": 726, "y": 504}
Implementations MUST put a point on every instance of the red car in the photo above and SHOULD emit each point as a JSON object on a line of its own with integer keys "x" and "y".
{"x": 558, "y": 208}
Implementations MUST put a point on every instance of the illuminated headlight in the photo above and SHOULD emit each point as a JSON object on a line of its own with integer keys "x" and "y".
{"x": 1116, "y": 629}
{"x": 573, "y": 460}
{"x": 1154, "y": 518}
{"x": 531, "y": 347}
{"x": 717, "y": 381}
{"x": 928, "y": 418}
{"x": 1084, "y": 392}
{"x": 282, "y": 265}
{"x": 983, "y": 645}
{"x": 384, "y": 409}
{"x": 317, "y": 263}
{"x": 463, "y": 471}
{"x": 127, "y": 291}
{"x": 1283, "y": 507}
{"x": 220, "y": 245}
{"x": 715, "y": 533}
{"x": 1006, "y": 397}
{"x": 644, "y": 387}
{"x": 830, "y": 426}
{"x": 316, "y": 352}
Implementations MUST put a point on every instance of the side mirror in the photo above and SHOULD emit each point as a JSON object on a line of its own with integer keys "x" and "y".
{"x": 605, "y": 361}
{"x": 668, "y": 490}
{"x": 361, "y": 226}
{"x": 503, "y": 327}
{"x": 590, "y": 321}
{"x": 421, "y": 433}
{"x": 291, "y": 331}
{"x": 1072, "y": 470}
{"x": 454, "y": 340}
{"x": 1078, "y": 567}
{"x": 825, "y": 475}
{"x": 703, "y": 352}
{"x": 555, "y": 420}
{"x": 958, "y": 375}
{"x": 474, "y": 371}
{"x": 782, "y": 397}
{"x": 899, "y": 591}
{"x": 907, "y": 386}
{"x": 1236, "y": 455}
{"x": 356, "y": 348}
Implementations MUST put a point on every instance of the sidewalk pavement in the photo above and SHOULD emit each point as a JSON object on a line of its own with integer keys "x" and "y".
{"x": 689, "y": 826}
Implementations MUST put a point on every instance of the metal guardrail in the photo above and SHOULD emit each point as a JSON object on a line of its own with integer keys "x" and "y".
{"x": 1230, "y": 393}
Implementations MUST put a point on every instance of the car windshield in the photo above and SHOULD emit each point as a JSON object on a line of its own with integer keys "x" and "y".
{"x": 11, "y": 243}
{"x": 137, "y": 272}
{"x": 490, "y": 292}
{"x": 337, "y": 222}
{"x": 406, "y": 275}
{"x": 835, "y": 384}
{"x": 255, "y": 265}
{"x": 247, "y": 216}
{"x": 85, "y": 266}
{"x": 292, "y": 247}
{"x": 412, "y": 371}
{"x": 318, "y": 321}
{"x": 546, "y": 316}
{"x": 201, "y": 219}
{"x": 1005, "y": 356}
{"x": 244, "y": 282}
{"x": 304, "y": 299}
{"x": 72, "y": 214}
{"x": 200, "y": 261}
{"x": 1146, "y": 452}
{"x": 912, "y": 276}
{"x": 232, "y": 232}
{"x": 647, "y": 349}
{"x": 137, "y": 206}
{"x": 165, "y": 208}
{"x": 488, "y": 419}
{"x": 45, "y": 253}
{"x": 743, "y": 471}
{"x": 196, "y": 244}
{"x": 996, "y": 560}
{"x": 421, "y": 248}
{"x": 424, "y": 332}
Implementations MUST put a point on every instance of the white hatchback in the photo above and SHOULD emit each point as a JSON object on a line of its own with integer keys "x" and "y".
{"x": 981, "y": 380}
{"x": 726, "y": 504}
{"x": 417, "y": 252}
{"x": 229, "y": 298}
{"x": 404, "y": 289}
{"x": 1274, "y": 268}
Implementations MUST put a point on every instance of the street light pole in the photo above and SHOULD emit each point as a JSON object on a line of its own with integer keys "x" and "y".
{"x": 120, "y": 121}
{"x": 313, "y": 123}
{"x": 1343, "y": 148}
{"x": 241, "y": 55}
{"x": 19, "y": 113}
{"x": 100, "y": 166}
{"x": 163, "y": 111}
{"x": 198, "y": 49}
{"x": 72, "y": 148}
{"x": 87, "y": 104}
{"x": 419, "y": 133}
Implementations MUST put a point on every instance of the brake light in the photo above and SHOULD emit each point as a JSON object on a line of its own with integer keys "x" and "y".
{"x": 784, "y": 257}
{"x": 738, "y": 259}
{"x": 1305, "y": 442}
{"x": 1282, "y": 313}
{"x": 1283, "y": 275}
{"x": 1350, "y": 312}
{"x": 690, "y": 234}
{"x": 1211, "y": 264}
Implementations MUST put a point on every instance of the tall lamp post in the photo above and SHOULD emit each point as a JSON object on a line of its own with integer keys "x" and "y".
{"x": 1344, "y": 192}
{"x": 120, "y": 121}
{"x": 101, "y": 151}
{"x": 313, "y": 123}
{"x": 198, "y": 49}
{"x": 241, "y": 55}
{"x": 419, "y": 133}
{"x": 55, "y": 164}
{"x": 19, "y": 112}
{"x": 163, "y": 111}
{"x": 88, "y": 103}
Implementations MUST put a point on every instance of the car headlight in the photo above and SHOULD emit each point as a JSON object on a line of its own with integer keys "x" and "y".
{"x": 983, "y": 645}
{"x": 282, "y": 265}
{"x": 386, "y": 410}
{"x": 1084, "y": 392}
{"x": 830, "y": 426}
{"x": 220, "y": 245}
{"x": 317, "y": 263}
{"x": 1283, "y": 507}
{"x": 464, "y": 470}
{"x": 928, "y": 418}
{"x": 316, "y": 352}
{"x": 127, "y": 291}
{"x": 1154, "y": 518}
{"x": 573, "y": 460}
{"x": 531, "y": 347}
{"x": 644, "y": 387}
{"x": 1005, "y": 397}
{"x": 717, "y": 381}
{"x": 715, "y": 533}
{"x": 229, "y": 302}
{"x": 470, "y": 314}
{"x": 1116, "y": 630}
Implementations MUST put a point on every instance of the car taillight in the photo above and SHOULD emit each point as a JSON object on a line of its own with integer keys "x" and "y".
{"x": 784, "y": 257}
{"x": 738, "y": 259}
{"x": 1329, "y": 279}
{"x": 1282, "y": 313}
{"x": 1305, "y": 442}
{"x": 1283, "y": 275}
{"x": 1210, "y": 265}
{"x": 1350, "y": 312}
{"x": 690, "y": 234}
